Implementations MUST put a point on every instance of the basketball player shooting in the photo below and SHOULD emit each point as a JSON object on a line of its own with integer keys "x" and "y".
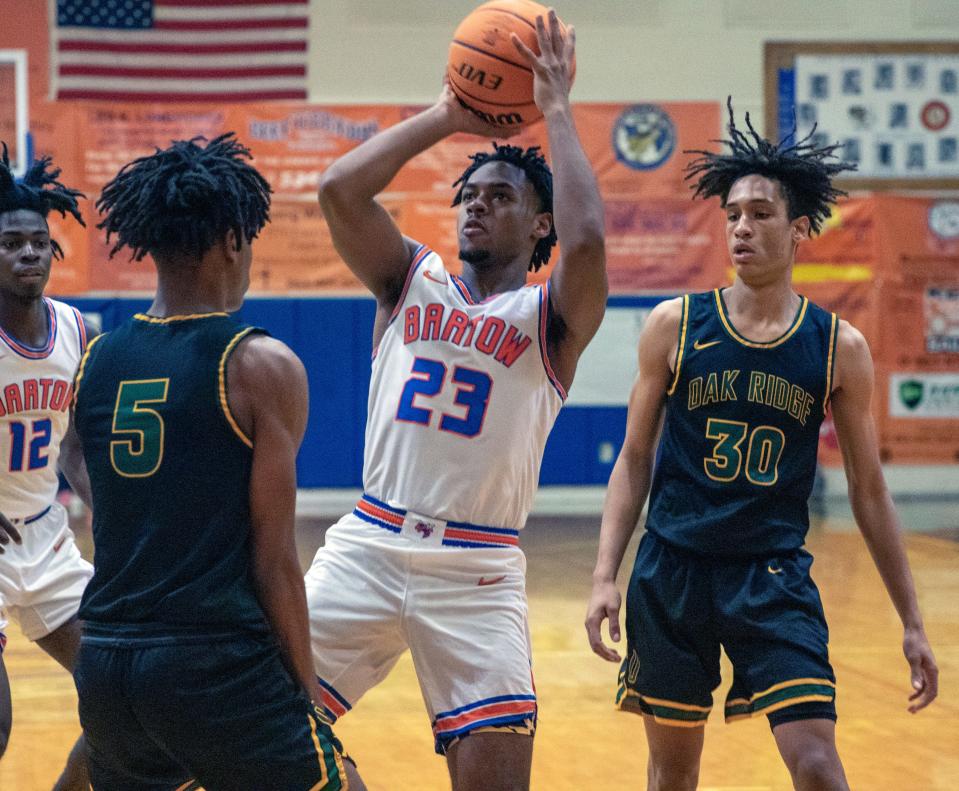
{"x": 468, "y": 376}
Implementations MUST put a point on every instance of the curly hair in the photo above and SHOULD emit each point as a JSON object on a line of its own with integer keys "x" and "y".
{"x": 38, "y": 191}
{"x": 181, "y": 200}
{"x": 533, "y": 164}
{"x": 804, "y": 170}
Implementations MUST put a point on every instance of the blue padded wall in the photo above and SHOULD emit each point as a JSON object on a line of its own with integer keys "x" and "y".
{"x": 332, "y": 336}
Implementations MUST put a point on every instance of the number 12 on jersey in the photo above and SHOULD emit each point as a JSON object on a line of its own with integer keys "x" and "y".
{"x": 427, "y": 380}
{"x": 29, "y": 455}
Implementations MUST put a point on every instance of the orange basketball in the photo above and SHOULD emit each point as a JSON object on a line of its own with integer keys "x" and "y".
{"x": 486, "y": 72}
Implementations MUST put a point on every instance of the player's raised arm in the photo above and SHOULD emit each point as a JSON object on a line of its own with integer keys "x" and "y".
{"x": 633, "y": 472}
{"x": 269, "y": 396}
{"x": 872, "y": 505}
{"x": 363, "y": 232}
{"x": 579, "y": 285}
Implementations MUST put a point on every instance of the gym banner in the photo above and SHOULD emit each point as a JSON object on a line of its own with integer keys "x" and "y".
{"x": 658, "y": 238}
{"x": 890, "y": 266}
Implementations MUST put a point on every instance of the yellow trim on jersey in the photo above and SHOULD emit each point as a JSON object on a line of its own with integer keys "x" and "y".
{"x": 672, "y": 704}
{"x": 224, "y": 404}
{"x": 634, "y": 708}
{"x": 797, "y": 323}
{"x": 684, "y": 323}
{"x": 83, "y": 364}
{"x": 168, "y": 319}
{"x": 324, "y": 775}
{"x": 781, "y": 704}
{"x": 794, "y": 682}
{"x": 833, "y": 337}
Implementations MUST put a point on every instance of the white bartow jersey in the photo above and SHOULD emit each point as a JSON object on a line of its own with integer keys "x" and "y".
{"x": 462, "y": 399}
{"x": 36, "y": 388}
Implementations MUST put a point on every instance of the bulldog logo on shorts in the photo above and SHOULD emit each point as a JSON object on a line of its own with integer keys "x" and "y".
{"x": 423, "y": 529}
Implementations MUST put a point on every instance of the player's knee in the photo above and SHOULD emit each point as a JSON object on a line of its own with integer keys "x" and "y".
{"x": 672, "y": 776}
{"x": 818, "y": 768}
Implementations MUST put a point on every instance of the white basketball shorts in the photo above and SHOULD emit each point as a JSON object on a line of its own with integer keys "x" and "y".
{"x": 42, "y": 579}
{"x": 373, "y": 592}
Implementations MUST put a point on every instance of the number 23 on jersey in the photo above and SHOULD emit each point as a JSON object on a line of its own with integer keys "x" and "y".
{"x": 427, "y": 379}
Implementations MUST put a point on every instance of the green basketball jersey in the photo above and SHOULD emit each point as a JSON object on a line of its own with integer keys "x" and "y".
{"x": 737, "y": 456}
{"x": 170, "y": 472}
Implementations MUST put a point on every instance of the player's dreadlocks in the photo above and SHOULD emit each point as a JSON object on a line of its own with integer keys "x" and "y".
{"x": 804, "y": 170}
{"x": 38, "y": 191}
{"x": 180, "y": 201}
{"x": 533, "y": 164}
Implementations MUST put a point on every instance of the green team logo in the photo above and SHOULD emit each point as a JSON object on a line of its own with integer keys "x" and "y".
{"x": 911, "y": 392}
{"x": 632, "y": 672}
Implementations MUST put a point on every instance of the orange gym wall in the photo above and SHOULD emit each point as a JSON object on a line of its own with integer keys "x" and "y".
{"x": 657, "y": 238}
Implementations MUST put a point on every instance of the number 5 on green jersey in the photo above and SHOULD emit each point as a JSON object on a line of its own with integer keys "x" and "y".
{"x": 139, "y": 455}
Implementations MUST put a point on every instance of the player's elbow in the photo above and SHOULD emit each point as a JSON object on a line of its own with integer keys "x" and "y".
{"x": 587, "y": 242}
{"x": 333, "y": 189}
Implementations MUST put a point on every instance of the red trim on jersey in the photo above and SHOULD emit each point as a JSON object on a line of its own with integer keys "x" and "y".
{"x": 464, "y": 291}
{"x": 28, "y": 352}
{"x": 479, "y": 535}
{"x": 543, "y": 312}
{"x": 421, "y": 252}
{"x": 81, "y": 330}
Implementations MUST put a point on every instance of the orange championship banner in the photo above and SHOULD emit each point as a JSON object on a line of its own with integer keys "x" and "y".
{"x": 918, "y": 321}
{"x": 889, "y": 265}
{"x": 657, "y": 238}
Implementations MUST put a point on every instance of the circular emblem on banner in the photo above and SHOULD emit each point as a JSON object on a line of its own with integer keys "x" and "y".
{"x": 944, "y": 219}
{"x": 644, "y": 136}
{"x": 935, "y": 116}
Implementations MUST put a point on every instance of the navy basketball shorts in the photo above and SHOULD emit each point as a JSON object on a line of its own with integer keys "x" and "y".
{"x": 224, "y": 712}
{"x": 766, "y": 613}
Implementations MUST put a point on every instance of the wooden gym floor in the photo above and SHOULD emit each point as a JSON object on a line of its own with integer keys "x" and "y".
{"x": 583, "y": 742}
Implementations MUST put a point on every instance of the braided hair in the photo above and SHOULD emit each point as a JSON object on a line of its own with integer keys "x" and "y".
{"x": 803, "y": 169}
{"x": 38, "y": 191}
{"x": 180, "y": 201}
{"x": 533, "y": 164}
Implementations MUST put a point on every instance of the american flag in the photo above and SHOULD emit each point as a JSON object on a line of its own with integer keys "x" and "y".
{"x": 180, "y": 50}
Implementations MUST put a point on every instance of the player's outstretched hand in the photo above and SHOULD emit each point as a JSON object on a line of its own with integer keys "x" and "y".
{"x": 604, "y": 604}
{"x": 465, "y": 120}
{"x": 553, "y": 67}
{"x": 922, "y": 665}
{"x": 8, "y": 533}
